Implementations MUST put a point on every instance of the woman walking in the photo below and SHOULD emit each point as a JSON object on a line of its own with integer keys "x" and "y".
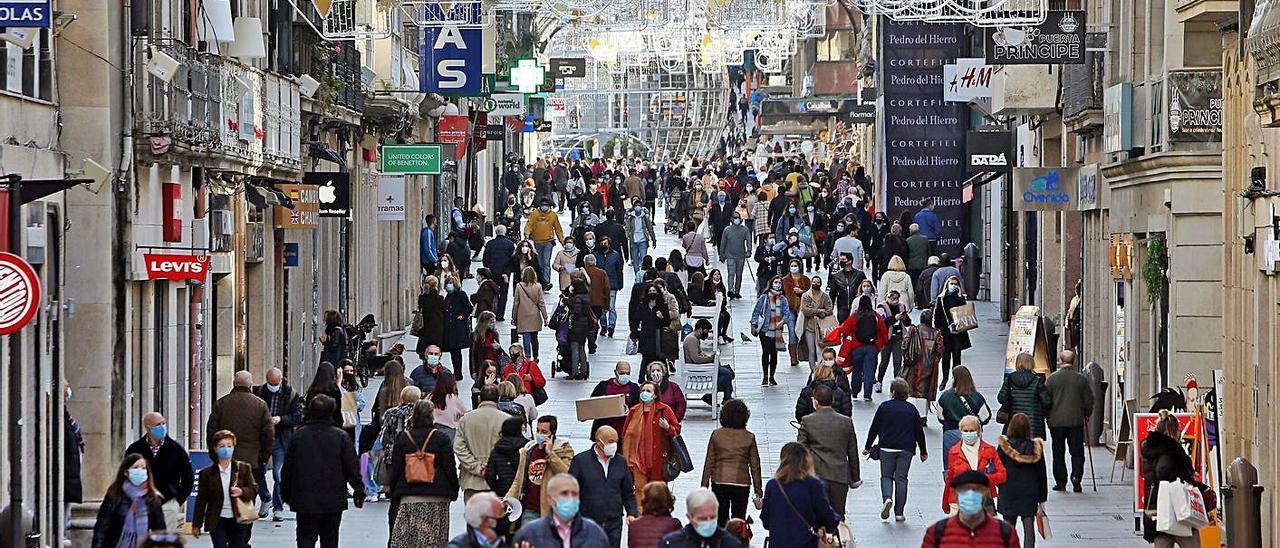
{"x": 1024, "y": 392}
{"x": 485, "y": 343}
{"x": 963, "y": 399}
{"x": 131, "y": 507}
{"x": 795, "y": 501}
{"x": 529, "y": 310}
{"x": 922, "y": 348}
{"x": 1028, "y": 484}
{"x": 972, "y": 454}
{"x": 431, "y": 314}
{"x": 646, "y": 442}
{"x": 897, "y": 427}
{"x": 897, "y": 279}
{"x": 794, "y": 285}
{"x": 768, "y": 320}
{"x": 457, "y": 326}
{"x": 815, "y": 306}
{"x": 1164, "y": 459}
{"x": 325, "y": 382}
{"x": 422, "y": 488}
{"x": 694, "y": 244}
{"x": 953, "y": 343}
{"x": 527, "y": 371}
{"x": 352, "y": 402}
{"x": 732, "y": 467}
{"x": 653, "y": 316}
{"x": 566, "y": 262}
{"x": 217, "y": 512}
{"x": 895, "y": 317}
{"x": 582, "y": 322}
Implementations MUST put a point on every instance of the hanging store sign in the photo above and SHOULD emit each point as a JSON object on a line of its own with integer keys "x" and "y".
{"x": 289, "y": 255}
{"x": 1059, "y": 40}
{"x": 1120, "y": 256}
{"x": 164, "y": 266}
{"x": 967, "y": 79}
{"x": 988, "y": 151}
{"x": 452, "y": 60}
{"x": 566, "y": 67}
{"x": 1045, "y": 188}
{"x": 505, "y": 104}
{"x": 528, "y": 76}
{"x": 306, "y": 207}
{"x": 20, "y": 293}
{"x": 1087, "y": 187}
{"x": 862, "y": 115}
{"x": 1117, "y": 118}
{"x": 333, "y": 191}
{"x": 557, "y": 107}
{"x": 495, "y": 132}
{"x": 1195, "y": 105}
{"x": 391, "y": 203}
{"x": 411, "y": 159}
{"x": 26, "y": 14}
{"x": 453, "y": 129}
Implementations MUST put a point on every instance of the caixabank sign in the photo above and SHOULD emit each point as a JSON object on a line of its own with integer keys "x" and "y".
{"x": 1045, "y": 188}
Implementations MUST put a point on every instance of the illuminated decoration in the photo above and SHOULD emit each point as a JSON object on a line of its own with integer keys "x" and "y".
{"x": 527, "y": 76}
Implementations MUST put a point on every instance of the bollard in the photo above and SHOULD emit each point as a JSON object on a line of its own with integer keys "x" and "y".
{"x": 971, "y": 267}
{"x": 1243, "y": 505}
{"x": 1098, "y": 383}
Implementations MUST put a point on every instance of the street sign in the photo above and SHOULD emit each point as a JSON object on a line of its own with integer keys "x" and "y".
{"x": 452, "y": 60}
{"x": 505, "y": 104}
{"x": 19, "y": 293}
{"x": 26, "y": 14}
{"x": 176, "y": 267}
{"x": 568, "y": 67}
{"x": 411, "y": 159}
{"x": 335, "y": 192}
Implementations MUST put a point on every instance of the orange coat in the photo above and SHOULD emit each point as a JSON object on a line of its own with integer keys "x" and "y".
{"x": 956, "y": 464}
{"x": 644, "y": 443}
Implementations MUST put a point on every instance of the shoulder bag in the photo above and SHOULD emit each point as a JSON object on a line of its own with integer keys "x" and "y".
{"x": 678, "y": 459}
{"x": 419, "y": 466}
{"x": 246, "y": 511}
{"x": 539, "y": 393}
{"x": 825, "y": 539}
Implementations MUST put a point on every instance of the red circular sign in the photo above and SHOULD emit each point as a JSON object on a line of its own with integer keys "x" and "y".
{"x": 19, "y": 293}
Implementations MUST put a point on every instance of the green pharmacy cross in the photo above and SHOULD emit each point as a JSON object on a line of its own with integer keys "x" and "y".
{"x": 527, "y": 76}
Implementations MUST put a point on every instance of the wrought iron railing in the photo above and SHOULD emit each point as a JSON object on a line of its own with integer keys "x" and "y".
{"x": 1082, "y": 85}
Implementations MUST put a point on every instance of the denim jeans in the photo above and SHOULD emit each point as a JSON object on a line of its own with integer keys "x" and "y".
{"x": 544, "y": 258}
{"x": 734, "y": 269}
{"x": 724, "y": 380}
{"x": 949, "y": 439}
{"x": 863, "y": 359}
{"x": 638, "y": 251}
{"x": 260, "y": 474}
{"x": 530, "y": 342}
{"x": 578, "y": 365}
{"x": 894, "y": 466}
{"x": 612, "y": 321}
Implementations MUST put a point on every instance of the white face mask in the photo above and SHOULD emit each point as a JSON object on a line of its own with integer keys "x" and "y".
{"x": 610, "y": 449}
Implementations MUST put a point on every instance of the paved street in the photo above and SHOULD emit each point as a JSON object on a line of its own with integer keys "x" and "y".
{"x": 1101, "y": 518}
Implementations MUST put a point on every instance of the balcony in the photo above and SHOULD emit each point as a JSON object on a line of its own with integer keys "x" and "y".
{"x": 1082, "y": 88}
{"x": 1206, "y": 11}
{"x": 229, "y": 115}
{"x": 335, "y": 65}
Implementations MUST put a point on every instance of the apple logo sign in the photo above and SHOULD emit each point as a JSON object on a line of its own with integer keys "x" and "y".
{"x": 328, "y": 193}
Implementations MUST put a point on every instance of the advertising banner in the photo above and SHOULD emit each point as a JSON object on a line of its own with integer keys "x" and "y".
{"x": 505, "y": 104}
{"x": 163, "y": 266}
{"x": 453, "y": 129}
{"x": 924, "y": 135}
{"x": 1045, "y": 188}
{"x": 967, "y": 79}
{"x": 1190, "y": 425}
{"x": 390, "y": 205}
{"x": 1059, "y": 40}
{"x": 1195, "y": 105}
{"x": 1087, "y": 187}
{"x": 988, "y": 151}
{"x": 306, "y": 207}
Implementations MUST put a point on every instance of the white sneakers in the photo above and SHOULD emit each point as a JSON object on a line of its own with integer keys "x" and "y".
{"x": 888, "y": 507}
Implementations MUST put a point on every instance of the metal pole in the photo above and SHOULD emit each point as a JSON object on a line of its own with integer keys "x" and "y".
{"x": 16, "y": 537}
{"x": 1088, "y": 450}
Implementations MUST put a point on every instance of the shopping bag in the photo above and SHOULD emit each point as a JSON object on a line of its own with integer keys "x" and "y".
{"x": 1042, "y": 523}
{"x": 964, "y": 318}
{"x": 1188, "y": 506}
{"x": 350, "y": 410}
{"x": 826, "y": 325}
{"x": 1165, "y": 520}
{"x": 633, "y": 346}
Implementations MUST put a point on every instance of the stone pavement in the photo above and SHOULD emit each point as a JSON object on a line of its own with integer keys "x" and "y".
{"x": 1103, "y": 517}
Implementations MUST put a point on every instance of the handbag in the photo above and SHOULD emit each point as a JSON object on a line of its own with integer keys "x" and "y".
{"x": 418, "y": 322}
{"x": 874, "y": 452}
{"x": 825, "y": 539}
{"x": 826, "y": 325}
{"x": 420, "y": 466}
{"x": 633, "y": 346}
{"x": 539, "y": 393}
{"x": 1042, "y": 523}
{"x": 246, "y": 511}
{"x": 678, "y": 459}
{"x": 964, "y": 318}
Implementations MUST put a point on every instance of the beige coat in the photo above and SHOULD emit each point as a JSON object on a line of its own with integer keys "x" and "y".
{"x": 814, "y": 307}
{"x": 530, "y": 311}
{"x": 894, "y": 280}
{"x": 478, "y": 431}
{"x": 565, "y": 263}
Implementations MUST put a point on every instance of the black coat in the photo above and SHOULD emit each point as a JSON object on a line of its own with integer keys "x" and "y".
{"x": 318, "y": 466}
{"x": 649, "y": 324}
{"x": 893, "y": 245}
{"x": 841, "y": 402}
{"x": 609, "y": 498}
{"x": 942, "y": 322}
{"x": 446, "y": 480}
{"x": 579, "y": 317}
{"x": 1028, "y": 483}
{"x": 617, "y": 236}
{"x": 72, "y": 488}
{"x": 497, "y": 256}
{"x": 1163, "y": 459}
{"x": 332, "y": 392}
{"x": 431, "y": 307}
{"x": 170, "y": 468}
{"x": 457, "y": 322}
{"x": 291, "y": 414}
{"x": 111, "y": 515}
{"x": 504, "y": 462}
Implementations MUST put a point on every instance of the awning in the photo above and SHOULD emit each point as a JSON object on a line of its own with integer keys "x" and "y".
{"x": 264, "y": 197}
{"x": 35, "y": 189}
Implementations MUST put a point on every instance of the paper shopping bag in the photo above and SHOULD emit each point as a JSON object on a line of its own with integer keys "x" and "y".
{"x": 1166, "y": 522}
{"x": 1042, "y": 523}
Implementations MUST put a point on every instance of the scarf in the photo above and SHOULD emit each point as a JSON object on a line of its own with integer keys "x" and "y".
{"x": 775, "y": 316}
{"x": 135, "y": 525}
{"x": 971, "y": 453}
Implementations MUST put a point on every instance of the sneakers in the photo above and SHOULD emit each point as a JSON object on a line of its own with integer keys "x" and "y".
{"x": 866, "y": 399}
{"x": 879, "y": 388}
{"x": 899, "y": 518}
{"x": 264, "y": 509}
{"x": 277, "y": 516}
{"x": 886, "y": 509}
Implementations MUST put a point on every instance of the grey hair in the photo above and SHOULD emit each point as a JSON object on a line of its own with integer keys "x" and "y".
{"x": 242, "y": 379}
{"x": 557, "y": 479}
{"x": 477, "y": 507}
{"x": 500, "y": 230}
{"x": 589, "y": 260}
{"x": 700, "y": 497}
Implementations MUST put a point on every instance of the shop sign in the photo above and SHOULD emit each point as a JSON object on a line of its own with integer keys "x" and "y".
{"x": 967, "y": 79}
{"x": 334, "y": 192}
{"x": 306, "y": 207}
{"x": 988, "y": 151}
{"x": 164, "y": 266}
{"x": 1120, "y": 256}
{"x": 20, "y": 293}
{"x": 1087, "y": 187}
{"x": 1059, "y": 40}
{"x": 505, "y": 104}
{"x": 411, "y": 159}
{"x": 1195, "y": 105}
{"x": 453, "y": 129}
{"x": 452, "y": 60}
{"x": 26, "y": 14}
{"x": 391, "y": 203}
{"x": 557, "y": 107}
{"x": 1190, "y": 428}
{"x": 567, "y": 67}
{"x": 289, "y": 255}
{"x": 862, "y": 115}
{"x": 1045, "y": 188}
{"x": 1117, "y": 118}
{"x": 495, "y": 132}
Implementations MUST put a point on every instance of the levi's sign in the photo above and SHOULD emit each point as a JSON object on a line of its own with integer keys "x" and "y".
{"x": 163, "y": 266}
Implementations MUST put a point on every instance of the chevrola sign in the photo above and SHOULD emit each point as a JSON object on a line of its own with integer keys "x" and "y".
{"x": 162, "y": 266}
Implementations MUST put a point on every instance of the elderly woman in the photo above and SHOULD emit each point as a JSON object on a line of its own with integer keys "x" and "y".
{"x": 647, "y": 435}
{"x": 668, "y": 392}
{"x": 972, "y": 454}
{"x": 422, "y": 516}
{"x": 566, "y": 262}
{"x": 655, "y": 521}
{"x": 702, "y": 531}
{"x": 732, "y": 467}
{"x": 1024, "y": 392}
{"x": 897, "y": 427}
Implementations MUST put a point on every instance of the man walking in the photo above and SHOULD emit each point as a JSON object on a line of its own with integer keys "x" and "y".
{"x": 498, "y": 254}
{"x": 930, "y": 226}
{"x": 540, "y": 458}
{"x": 917, "y": 254}
{"x": 735, "y": 247}
{"x": 246, "y": 416}
{"x": 320, "y": 464}
{"x": 285, "y": 408}
{"x": 428, "y": 246}
{"x": 565, "y": 526}
{"x": 478, "y": 431}
{"x": 1072, "y": 403}
{"x": 640, "y": 236}
{"x": 830, "y": 437}
{"x": 543, "y": 228}
{"x": 170, "y": 465}
{"x": 611, "y": 495}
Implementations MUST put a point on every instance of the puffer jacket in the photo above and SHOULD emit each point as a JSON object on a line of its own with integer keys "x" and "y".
{"x": 1024, "y": 392}
{"x": 1028, "y": 483}
{"x": 894, "y": 280}
{"x": 841, "y": 402}
{"x": 504, "y": 462}
{"x": 1163, "y": 459}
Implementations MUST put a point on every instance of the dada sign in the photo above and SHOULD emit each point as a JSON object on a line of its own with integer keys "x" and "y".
{"x": 452, "y": 60}
{"x": 163, "y": 266}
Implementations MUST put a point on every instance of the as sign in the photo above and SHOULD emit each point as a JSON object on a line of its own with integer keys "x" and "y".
{"x": 162, "y": 266}
{"x": 452, "y": 60}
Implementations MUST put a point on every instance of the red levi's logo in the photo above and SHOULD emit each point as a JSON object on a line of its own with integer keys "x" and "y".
{"x": 176, "y": 267}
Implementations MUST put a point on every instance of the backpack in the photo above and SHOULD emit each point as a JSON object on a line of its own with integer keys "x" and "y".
{"x": 940, "y": 528}
{"x": 868, "y": 327}
{"x": 419, "y": 466}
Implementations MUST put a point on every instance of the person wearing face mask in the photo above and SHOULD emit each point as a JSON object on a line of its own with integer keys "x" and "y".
{"x": 541, "y": 458}
{"x": 861, "y": 338}
{"x": 457, "y": 323}
{"x": 795, "y": 501}
{"x": 131, "y": 507}
{"x": 648, "y": 431}
{"x": 945, "y": 271}
{"x": 955, "y": 343}
{"x": 734, "y": 248}
{"x": 653, "y": 316}
{"x": 818, "y": 224}
{"x": 788, "y": 220}
{"x": 970, "y": 525}
{"x": 971, "y": 454}
{"x": 719, "y": 214}
{"x": 849, "y": 244}
{"x": 612, "y": 495}
{"x": 844, "y": 284}
{"x": 352, "y": 402}
{"x": 768, "y": 262}
{"x": 816, "y": 307}
{"x": 875, "y": 235}
{"x": 428, "y": 373}
{"x": 543, "y": 228}
{"x": 565, "y": 526}
{"x": 484, "y": 515}
{"x": 769, "y": 318}
{"x": 703, "y": 530}
{"x": 668, "y": 391}
{"x": 795, "y": 247}
{"x": 169, "y": 465}
{"x": 526, "y": 256}
{"x": 566, "y": 262}
{"x": 794, "y": 285}
{"x": 694, "y": 244}
{"x": 640, "y": 236}
{"x": 732, "y": 466}
{"x": 619, "y": 383}
{"x": 220, "y": 483}
{"x": 429, "y": 324}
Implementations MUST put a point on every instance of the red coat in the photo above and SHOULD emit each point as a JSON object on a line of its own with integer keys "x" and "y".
{"x": 844, "y": 335}
{"x": 530, "y": 368}
{"x": 644, "y": 443}
{"x": 958, "y": 535}
{"x": 988, "y": 459}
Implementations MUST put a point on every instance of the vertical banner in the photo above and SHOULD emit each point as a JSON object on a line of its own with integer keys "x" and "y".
{"x": 390, "y": 205}
{"x": 924, "y": 135}
{"x": 452, "y": 60}
{"x": 453, "y": 129}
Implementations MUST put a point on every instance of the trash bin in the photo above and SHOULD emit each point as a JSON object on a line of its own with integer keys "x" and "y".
{"x": 1097, "y": 380}
{"x": 1243, "y": 505}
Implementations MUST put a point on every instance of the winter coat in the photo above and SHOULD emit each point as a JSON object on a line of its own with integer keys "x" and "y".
{"x": 1072, "y": 396}
{"x": 732, "y": 457}
{"x": 208, "y": 507}
{"x": 893, "y": 280}
{"x": 598, "y": 286}
{"x": 477, "y": 433}
{"x": 431, "y": 308}
{"x": 687, "y": 537}
{"x": 1163, "y": 459}
{"x": 842, "y": 286}
{"x": 840, "y": 402}
{"x": 580, "y": 317}
{"x": 497, "y": 256}
{"x": 893, "y": 246}
{"x": 565, "y": 263}
{"x": 814, "y": 308}
{"x": 1024, "y": 392}
{"x": 171, "y": 473}
{"x": 504, "y": 462}
{"x": 646, "y": 446}
{"x": 583, "y": 533}
{"x": 761, "y": 313}
{"x": 648, "y": 530}
{"x": 526, "y": 366}
{"x": 318, "y": 467}
{"x": 942, "y": 320}
{"x": 445, "y": 483}
{"x": 111, "y": 515}
{"x": 988, "y": 463}
{"x": 648, "y": 325}
{"x": 991, "y": 533}
{"x": 484, "y": 297}
{"x": 558, "y": 461}
{"x": 812, "y": 509}
{"x": 611, "y": 263}
{"x": 457, "y": 322}
{"x": 246, "y": 416}
{"x": 1028, "y": 482}
{"x": 530, "y": 309}
{"x": 917, "y": 252}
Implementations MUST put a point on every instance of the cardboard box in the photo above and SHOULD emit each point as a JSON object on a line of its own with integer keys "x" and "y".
{"x": 602, "y": 407}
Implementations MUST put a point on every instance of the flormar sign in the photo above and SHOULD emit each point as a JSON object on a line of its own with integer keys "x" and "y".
{"x": 164, "y": 266}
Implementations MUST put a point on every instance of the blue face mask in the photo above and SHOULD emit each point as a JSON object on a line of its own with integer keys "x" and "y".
{"x": 225, "y": 452}
{"x": 159, "y": 431}
{"x": 970, "y": 502}
{"x": 137, "y": 476}
{"x": 567, "y": 508}
{"x": 646, "y": 397}
{"x": 705, "y": 529}
{"x": 969, "y": 438}
{"x": 433, "y": 360}
{"x": 273, "y": 388}
{"x": 624, "y": 378}
{"x": 539, "y": 438}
